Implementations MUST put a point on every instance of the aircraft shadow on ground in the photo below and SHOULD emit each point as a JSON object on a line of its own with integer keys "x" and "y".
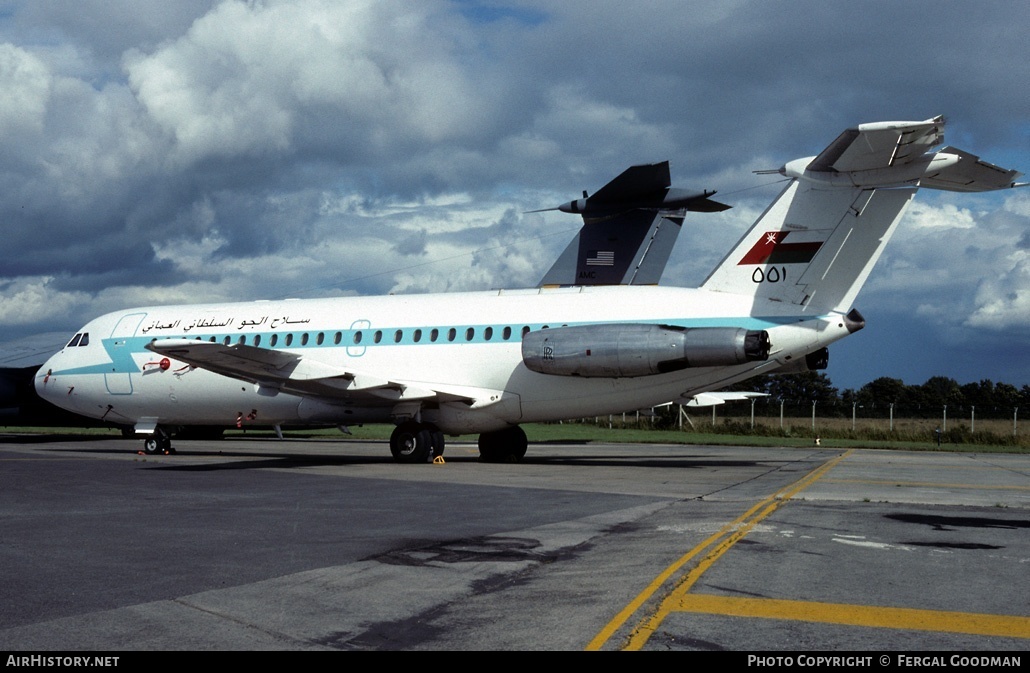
{"x": 242, "y": 459}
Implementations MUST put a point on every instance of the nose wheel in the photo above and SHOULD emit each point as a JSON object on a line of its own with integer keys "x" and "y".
{"x": 160, "y": 443}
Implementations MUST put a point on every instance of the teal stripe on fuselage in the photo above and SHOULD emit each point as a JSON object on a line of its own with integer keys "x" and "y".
{"x": 121, "y": 349}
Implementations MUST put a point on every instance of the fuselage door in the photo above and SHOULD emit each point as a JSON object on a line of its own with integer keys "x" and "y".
{"x": 120, "y": 382}
{"x": 360, "y": 337}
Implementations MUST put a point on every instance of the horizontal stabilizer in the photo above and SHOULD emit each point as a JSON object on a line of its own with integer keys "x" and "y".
{"x": 879, "y": 145}
{"x": 646, "y": 187}
{"x": 970, "y": 174}
{"x": 635, "y": 183}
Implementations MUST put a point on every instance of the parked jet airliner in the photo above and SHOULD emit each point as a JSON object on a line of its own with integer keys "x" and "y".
{"x": 484, "y": 362}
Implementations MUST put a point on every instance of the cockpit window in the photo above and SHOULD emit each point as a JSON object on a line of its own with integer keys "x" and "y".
{"x": 85, "y": 339}
{"x": 75, "y": 341}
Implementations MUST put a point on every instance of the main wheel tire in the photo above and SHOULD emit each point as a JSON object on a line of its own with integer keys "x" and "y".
{"x": 503, "y": 446}
{"x": 411, "y": 442}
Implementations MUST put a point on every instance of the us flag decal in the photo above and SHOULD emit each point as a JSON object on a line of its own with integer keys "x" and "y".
{"x": 784, "y": 247}
{"x": 601, "y": 258}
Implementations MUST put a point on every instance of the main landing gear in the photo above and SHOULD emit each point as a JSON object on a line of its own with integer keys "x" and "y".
{"x": 503, "y": 446}
{"x": 413, "y": 442}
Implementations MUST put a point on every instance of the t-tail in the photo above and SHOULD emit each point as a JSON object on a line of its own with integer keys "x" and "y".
{"x": 815, "y": 246}
{"x": 629, "y": 228}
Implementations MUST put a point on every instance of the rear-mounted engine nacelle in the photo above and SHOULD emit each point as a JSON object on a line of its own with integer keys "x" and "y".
{"x": 627, "y": 350}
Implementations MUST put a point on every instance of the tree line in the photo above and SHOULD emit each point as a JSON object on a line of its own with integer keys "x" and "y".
{"x": 796, "y": 393}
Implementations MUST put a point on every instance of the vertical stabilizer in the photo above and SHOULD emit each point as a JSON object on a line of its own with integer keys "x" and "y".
{"x": 629, "y": 249}
{"x": 812, "y": 247}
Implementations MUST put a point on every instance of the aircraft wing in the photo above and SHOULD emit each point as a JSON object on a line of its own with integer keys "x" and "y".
{"x": 280, "y": 370}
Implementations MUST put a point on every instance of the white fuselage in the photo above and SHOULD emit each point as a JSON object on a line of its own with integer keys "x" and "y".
{"x": 463, "y": 347}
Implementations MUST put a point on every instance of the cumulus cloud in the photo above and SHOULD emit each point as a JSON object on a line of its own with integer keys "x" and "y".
{"x": 1003, "y": 297}
{"x": 26, "y": 84}
{"x": 363, "y": 78}
{"x": 162, "y": 152}
{"x": 34, "y": 301}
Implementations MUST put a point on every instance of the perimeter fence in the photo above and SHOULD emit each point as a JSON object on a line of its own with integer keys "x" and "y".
{"x": 945, "y": 425}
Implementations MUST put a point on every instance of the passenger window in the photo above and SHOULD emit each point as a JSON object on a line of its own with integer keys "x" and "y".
{"x": 378, "y": 336}
{"x": 304, "y": 339}
{"x": 357, "y": 337}
{"x": 488, "y": 333}
{"x": 525, "y": 330}
{"x": 417, "y": 336}
{"x": 257, "y": 339}
{"x": 289, "y": 339}
{"x": 397, "y": 336}
{"x": 320, "y": 339}
{"x": 470, "y": 334}
{"x": 451, "y": 333}
{"x": 273, "y": 340}
{"x": 434, "y": 335}
{"x": 506, "y": 334}
{"x": 338, "y": 338}
{"x": 227, "y": 340}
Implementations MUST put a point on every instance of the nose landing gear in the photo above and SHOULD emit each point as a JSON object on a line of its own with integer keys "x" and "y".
{"x": 159, "y": 443}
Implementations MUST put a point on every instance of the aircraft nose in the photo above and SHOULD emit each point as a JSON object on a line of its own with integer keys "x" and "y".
{"x": 44, "y": 381}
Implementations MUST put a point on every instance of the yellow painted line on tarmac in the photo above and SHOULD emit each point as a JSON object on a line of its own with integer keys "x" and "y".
{"x": 719, "y": 543}
{"x": 1003, "y": 626}
{"x": 921, "y": 484}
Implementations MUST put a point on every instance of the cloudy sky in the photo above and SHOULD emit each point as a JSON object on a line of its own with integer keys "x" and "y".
{"x": 164, "y": 152}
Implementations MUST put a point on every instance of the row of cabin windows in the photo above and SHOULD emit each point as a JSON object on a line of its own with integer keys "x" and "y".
{"x": 434, "y": 335}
